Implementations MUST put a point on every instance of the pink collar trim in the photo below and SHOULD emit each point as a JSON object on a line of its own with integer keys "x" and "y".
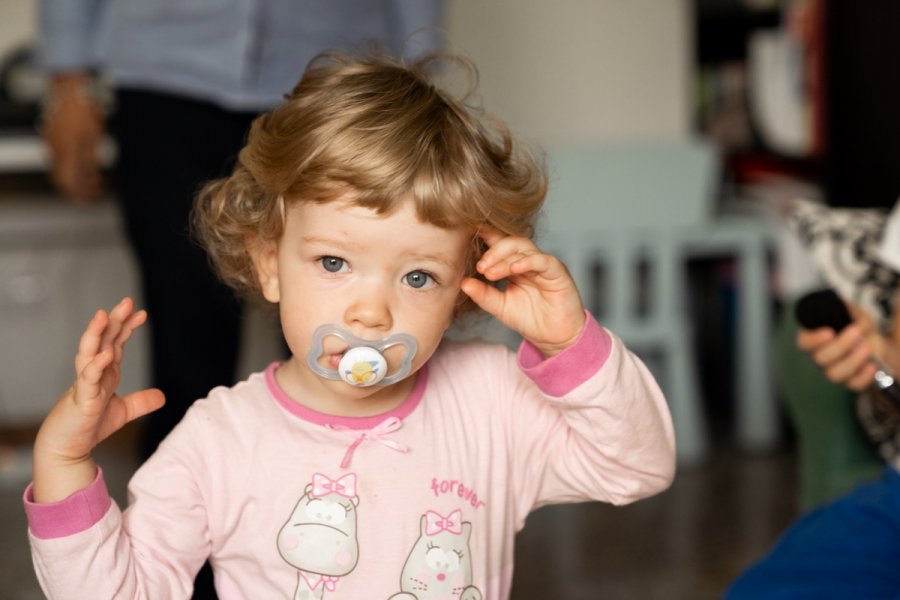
{"x": 358, "y": 423}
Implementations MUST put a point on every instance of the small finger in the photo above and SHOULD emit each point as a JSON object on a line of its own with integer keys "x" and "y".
{"x": 861, "y": 317}
{"x": 490, "y": 235}
{"x": 117, "y": 316}
{"x": 89, "y": 344}
{"x": 862, "y": 379}
{"x": 143, "y": 402}
{"x": 87, "y": 383}
{"x": 486, "y": 296}
{"x": 93, "y": 371}
{"x": 844, "y": 343}
{"x": 505, "y": 250}
{"x": 133, "y": 322}
{"x": 501, "y": 268}
{"x": 809, "y": 340}
{"x": 849, "y": 365}
{"x": 123, "y": 410}
{"x": 538, "y": 263}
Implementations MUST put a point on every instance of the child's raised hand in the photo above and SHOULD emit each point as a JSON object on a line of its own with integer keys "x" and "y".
{"x": 91, "y": 410}
{"x": 541, "y": 301}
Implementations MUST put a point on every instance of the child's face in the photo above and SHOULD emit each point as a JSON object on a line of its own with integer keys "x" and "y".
{"x": 374, "y": 275}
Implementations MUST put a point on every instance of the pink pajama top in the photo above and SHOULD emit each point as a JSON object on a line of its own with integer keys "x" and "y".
{"x": 421, "y": 502}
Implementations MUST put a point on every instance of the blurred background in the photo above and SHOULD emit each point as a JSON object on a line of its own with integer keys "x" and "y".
{"x": 674, "y": 132}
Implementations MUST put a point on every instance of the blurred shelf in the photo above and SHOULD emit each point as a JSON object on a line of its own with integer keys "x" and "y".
{"x": 23, "y": 152}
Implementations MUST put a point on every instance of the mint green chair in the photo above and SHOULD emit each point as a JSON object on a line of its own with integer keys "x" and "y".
{"x": 616, "y": 208}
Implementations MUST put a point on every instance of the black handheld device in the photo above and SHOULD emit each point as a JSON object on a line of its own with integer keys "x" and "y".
{"x": 824, "y": 308}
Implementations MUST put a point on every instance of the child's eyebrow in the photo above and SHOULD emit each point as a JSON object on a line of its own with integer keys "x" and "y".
{"x": 340, "y": 243}
{"x": 440, "y": 259}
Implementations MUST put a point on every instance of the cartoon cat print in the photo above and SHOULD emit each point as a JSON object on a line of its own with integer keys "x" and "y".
{"x": 319, "y": 538}
{"x": 439, "y": 566}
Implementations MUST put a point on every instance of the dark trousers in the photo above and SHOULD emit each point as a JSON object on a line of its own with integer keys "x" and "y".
{"x": 168, "y": 147}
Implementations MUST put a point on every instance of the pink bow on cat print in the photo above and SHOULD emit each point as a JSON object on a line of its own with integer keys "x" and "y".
{"x": 435, "y": 523}
{"x": 313, "y": 580}
{"x": 322, "y": 486}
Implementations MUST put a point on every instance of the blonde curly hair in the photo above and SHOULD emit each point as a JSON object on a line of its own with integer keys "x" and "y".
{"x": 381, "y": 130}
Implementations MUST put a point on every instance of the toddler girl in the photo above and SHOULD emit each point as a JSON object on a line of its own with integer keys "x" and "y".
{"x": 377, "y": 461}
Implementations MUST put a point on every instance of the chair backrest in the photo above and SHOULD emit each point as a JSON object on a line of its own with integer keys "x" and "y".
{"x": 612, "y": 209}
{"x": 641, "y": 185}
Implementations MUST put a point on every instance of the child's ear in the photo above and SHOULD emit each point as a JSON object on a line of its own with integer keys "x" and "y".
{"x": 264, "y": 254}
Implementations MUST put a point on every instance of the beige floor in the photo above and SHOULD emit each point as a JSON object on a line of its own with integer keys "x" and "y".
{"x": 685, "y": 544}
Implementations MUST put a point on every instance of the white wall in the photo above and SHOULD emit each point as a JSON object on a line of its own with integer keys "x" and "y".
{"x": 17, "y": 23}
{"x": 572, "y": 70}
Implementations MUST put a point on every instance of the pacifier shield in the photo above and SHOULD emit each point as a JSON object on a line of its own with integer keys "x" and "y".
{"x": 363, "y": 363}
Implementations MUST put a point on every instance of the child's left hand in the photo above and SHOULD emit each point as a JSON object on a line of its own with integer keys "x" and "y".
{"x": 541, "y": 301}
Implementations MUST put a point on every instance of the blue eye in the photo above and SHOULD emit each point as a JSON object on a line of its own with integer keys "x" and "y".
{"x": 332, "y": 264}
{"x": 419, "y": 279}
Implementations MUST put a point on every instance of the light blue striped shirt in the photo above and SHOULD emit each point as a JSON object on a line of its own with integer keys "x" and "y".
{"x": 240, "y": 54}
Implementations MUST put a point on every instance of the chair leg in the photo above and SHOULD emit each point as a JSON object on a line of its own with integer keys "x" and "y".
{"x": 757, "y": 407}
{"x": 686, "y": 404}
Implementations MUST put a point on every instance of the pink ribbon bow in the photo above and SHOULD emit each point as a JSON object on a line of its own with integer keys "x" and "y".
{"x": 389, "y": 425}
{"x": 313, "y": 580}
{"x": 322, "y": 486}
{"x": 435, "y": 523}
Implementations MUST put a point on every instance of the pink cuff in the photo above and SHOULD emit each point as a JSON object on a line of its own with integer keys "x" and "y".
{"x": 80, "y": 511}
{"x": 560, "y": 374}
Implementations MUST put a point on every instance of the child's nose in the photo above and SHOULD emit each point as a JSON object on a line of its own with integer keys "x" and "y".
{"x": 370, "y": 308}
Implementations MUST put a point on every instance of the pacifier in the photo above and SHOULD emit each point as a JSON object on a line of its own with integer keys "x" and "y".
{"x": 363, "y": 364}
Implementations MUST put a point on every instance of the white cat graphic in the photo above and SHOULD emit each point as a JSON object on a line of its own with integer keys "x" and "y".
{"x": 439, "y": 565}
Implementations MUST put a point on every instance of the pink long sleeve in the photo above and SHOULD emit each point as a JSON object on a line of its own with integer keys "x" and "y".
{"x": 609, "y": 438}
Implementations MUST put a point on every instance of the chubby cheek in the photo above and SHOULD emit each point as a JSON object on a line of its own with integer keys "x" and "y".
{"x": 296, "y": 331}
{"x": 288, "y": 541}
{"x": 427, "y": 342}
{"x": 431, "y": 316}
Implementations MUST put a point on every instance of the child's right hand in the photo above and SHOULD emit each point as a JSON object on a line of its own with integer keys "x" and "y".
{"x": 91, "y": 410}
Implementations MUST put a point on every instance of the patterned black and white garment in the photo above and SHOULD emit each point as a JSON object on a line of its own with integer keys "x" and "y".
{"x": 857, "y": 251}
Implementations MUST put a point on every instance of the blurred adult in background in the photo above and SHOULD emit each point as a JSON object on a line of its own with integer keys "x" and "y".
{"x": 187, "y": 79}
{"x": 848, "y": 547}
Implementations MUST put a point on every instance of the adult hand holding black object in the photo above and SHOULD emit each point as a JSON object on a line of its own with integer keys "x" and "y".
{"x": 844, "y": 341}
